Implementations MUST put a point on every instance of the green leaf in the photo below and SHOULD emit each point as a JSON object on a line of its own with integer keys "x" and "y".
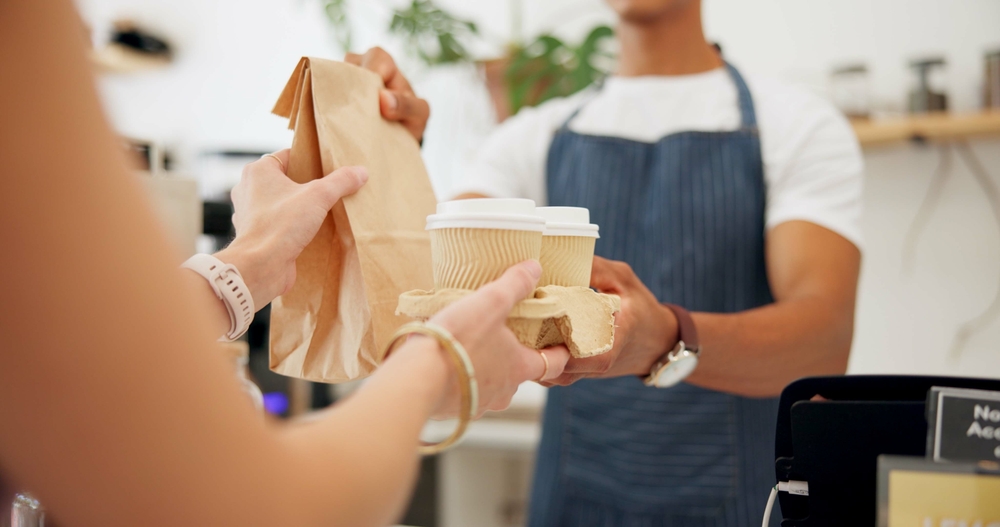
{"x": 336, "y": 12}
{"x": 434, "y": 34}
{"x": 548, "y": 68}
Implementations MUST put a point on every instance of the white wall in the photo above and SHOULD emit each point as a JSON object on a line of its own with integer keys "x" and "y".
{"x": 800, "y": 40}
{"x": 906, "y": 320}
{"x": 235, "y": 56}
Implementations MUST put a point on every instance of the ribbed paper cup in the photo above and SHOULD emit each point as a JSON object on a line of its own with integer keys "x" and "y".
{"x": 474, "y": 241}
{"x": 471, "y": 258}
{"x": 567, "y": 255}
{"x": 567, "y": 260}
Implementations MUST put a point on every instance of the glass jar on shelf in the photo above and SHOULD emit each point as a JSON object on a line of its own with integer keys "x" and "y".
{"x": 850, "y": 90}
{"x": 26, "y": 511}
{"x": 927, "y": 92}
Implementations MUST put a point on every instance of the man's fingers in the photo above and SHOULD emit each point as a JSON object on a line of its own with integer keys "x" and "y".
{"x": 397, "y": 102}
{"x": 563, "y": 380}
{"x": 603, "y": 276}
{"x": 379, "y": 61}
{"x": 589, "y": 365}
{"x": 403, "y": 106}
{"x": 339, "y": 183}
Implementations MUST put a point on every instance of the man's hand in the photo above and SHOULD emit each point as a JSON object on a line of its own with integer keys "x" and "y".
{"x": 397, "y": 101}
{"x": 645, "y": 328}
{"x": 275, "y": 218}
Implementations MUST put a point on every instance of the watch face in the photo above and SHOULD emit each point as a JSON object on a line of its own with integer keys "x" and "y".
{"x": 677, "y": 370}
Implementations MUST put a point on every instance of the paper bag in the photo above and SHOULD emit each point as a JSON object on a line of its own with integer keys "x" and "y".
{"x": 333, "y": 324}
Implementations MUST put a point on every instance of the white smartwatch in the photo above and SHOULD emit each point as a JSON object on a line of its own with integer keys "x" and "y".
{"x": 675, "y": 366}
{"x": 228, "y": 285}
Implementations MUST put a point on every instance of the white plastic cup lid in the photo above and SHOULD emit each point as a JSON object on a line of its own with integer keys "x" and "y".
{"x": 487, "y": 213}
{"x": 567, "y": 221}
{"x": 487, "y": 206}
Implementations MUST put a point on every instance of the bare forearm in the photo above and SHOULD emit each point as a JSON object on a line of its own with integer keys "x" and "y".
{"x": 756, "y": 353}
{"x": 358, "y": 464}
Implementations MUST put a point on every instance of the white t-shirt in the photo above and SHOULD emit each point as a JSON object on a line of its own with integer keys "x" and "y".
{"x": 812, "y": 161}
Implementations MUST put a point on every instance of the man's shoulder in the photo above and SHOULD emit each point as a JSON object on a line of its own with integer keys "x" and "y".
{"x": 790, "y": 113}
{"x": 786, "y": 101}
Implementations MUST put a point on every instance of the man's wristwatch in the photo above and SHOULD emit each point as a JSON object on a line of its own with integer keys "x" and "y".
{"x": 674, "y": 366}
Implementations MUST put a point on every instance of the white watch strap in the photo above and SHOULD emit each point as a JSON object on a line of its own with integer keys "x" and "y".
{"x": 229, "y": 287}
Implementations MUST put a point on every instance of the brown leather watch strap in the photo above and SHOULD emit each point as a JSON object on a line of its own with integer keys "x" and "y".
{"x": 687, "y": 332}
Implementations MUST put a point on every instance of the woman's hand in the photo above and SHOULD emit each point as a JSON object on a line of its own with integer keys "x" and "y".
{"x": 397, "y": 101}
{"x": 275, "y": 218}
{"x": 502, "y": 363}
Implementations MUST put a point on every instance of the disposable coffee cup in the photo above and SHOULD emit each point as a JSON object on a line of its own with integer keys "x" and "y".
{"x": 474, "y": 241}
{"x": 568, "y": 241}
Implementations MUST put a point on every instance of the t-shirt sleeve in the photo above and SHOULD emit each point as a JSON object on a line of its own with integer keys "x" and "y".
{"x": 511, "y": 162}
{"x": 817, "y": 169}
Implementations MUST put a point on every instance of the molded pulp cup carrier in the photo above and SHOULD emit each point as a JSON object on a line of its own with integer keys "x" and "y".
{"x": 474, "y": 241}
{"x": 567, "y": 254}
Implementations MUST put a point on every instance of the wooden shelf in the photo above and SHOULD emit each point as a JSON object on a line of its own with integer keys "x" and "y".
{"x": 930, "y": 127}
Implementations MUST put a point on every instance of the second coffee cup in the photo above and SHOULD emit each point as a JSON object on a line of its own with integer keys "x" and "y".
{"x": 474, "y": 241}
{"x": 567, "y": 246}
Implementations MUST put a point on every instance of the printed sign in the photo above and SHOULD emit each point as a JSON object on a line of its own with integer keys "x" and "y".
{"x": 965, "y": 425}
{"x": 926, "y": 499}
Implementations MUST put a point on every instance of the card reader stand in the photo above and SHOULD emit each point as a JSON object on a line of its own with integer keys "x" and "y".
{"x": 833, "y": 441}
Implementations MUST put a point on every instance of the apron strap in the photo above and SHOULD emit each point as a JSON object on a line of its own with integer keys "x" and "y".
{"x": 748, "y": 118}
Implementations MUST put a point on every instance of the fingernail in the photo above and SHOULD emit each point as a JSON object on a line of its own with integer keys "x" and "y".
{"x": 390, "y": 100}
{"x": 534, "y": 268}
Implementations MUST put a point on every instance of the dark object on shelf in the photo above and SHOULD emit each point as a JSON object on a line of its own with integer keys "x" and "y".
{"x": 217, "y": 217}
{"x": 131, "y": 48}
{"x": 833, "y": 441}
{"x": 923, "y": 98}
{"x": 139, "y": 41}
{"x": 991, "y": 81}
{"x": 255, "y": 154}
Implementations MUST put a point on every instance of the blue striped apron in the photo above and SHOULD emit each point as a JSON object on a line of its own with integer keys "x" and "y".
{"x": 687, "y": 213}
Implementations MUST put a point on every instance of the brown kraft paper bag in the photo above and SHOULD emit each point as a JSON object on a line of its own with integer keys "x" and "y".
{"x": 334, "y": 323}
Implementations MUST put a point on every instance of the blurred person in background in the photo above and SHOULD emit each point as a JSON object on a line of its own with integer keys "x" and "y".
{"x": 115, "y": 409}
{"x": 736, "y": 198}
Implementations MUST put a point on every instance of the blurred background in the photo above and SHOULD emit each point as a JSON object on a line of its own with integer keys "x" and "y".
{"x": 190, "y": 83}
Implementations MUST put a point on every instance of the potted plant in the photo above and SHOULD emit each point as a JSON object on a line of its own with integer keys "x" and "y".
{"x": 529, "y": 73}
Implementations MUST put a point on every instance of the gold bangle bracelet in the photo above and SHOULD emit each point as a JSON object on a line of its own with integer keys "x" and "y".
{"x": 467, "y": 384}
